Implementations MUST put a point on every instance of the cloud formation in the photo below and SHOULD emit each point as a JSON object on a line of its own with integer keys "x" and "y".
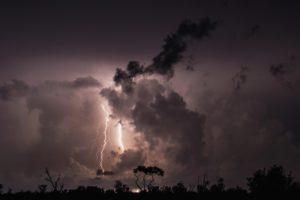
{"x": 172, "y": 52}
{"x": 173, "y": 122}
{"x": 17, "y": 88}
{"x": 218, "y": 137}
{"x": 240, "y": 78}
{"x": 287, "y": 74}
{"x": 52, "y": 125}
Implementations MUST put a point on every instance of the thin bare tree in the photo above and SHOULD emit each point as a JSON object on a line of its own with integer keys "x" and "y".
{"x": 55, "y": 183}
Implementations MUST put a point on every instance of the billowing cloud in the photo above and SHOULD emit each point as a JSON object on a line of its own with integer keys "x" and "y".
{"x": 129, "y": 159}
{"x": 170, "y": 132}
{"x": 172, "y": 52}
{"x": 287, "y": 74}
{"x": 156, "y": 118}
{"x": 153, "y": 109}
{"x": 17, "y": 88}
{"x": 203, "y": 130}
{"x": 53, "y": 124}
{"x": 240, "y": 78}
{"x": 242, "y": 135}
{"x": 187, "y": 122}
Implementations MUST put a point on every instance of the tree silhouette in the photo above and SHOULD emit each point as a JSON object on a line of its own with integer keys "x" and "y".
{"x": 120, "y": 187}
{"x": 166, "y": 189}
{"x": 179, "y": 188}
{"x": 147, "y": 175}
{"x": 1, "y": 188}
{"x": 42, "y": 188}
{"x": 56, "y": 184}
{"x": 203, "y": 187}
{"x": 218, "y": 187}
{"x": 273, "y": 180}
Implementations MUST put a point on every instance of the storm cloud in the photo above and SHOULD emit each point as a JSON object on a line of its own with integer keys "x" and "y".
{"x": 55, "y": 123}
{"x": 287, "y": 74}
{"x": 17, "y": 88}
{"x": 219, "y": 120}
{"x": 240, "y": 78}
{"x": 173, "y": 48}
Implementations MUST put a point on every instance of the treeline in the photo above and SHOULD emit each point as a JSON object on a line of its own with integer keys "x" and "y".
{"x": 264, "y": 183}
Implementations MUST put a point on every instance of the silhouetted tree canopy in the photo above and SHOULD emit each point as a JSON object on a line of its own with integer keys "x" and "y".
{"x": 147, "y": 175}
{"x": 120, "y": 187}
{"x": 179, "y": 188}
{"x": 218, "y": 187}
{"x": 203, "y": 187}
{"x": 273, "y": 180}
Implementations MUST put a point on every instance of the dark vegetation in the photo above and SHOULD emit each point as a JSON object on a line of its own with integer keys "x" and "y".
{"x": 264, "y": 183}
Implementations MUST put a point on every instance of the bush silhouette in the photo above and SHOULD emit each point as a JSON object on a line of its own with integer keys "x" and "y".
{"x": 219, "y": 187}
{"x": 42, "y": 188}
{"x": 273, "y": 180}
{"x": 55, "y": 183}
{"x": 179, "y": 188}
{"x": 120, "y": 187}
{"x": 203, "y": 187}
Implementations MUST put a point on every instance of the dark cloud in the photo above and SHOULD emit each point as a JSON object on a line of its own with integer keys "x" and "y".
{"x": 17, "y": 88}
{"x": 174, "y": 46}
{"x": 240, "y": 78}
{"x": 129, "y": 159}
{"x": 78, "y": 83}
{"x": 166, "y": 118}
{"x": 153, "y": 110}
{"x": 123, "y": 103}
{"x": 241, "y": 135}
{"x": 125, "y": 78}
{"x": 83, "y": 82}
{"x": 58, "y": 124}
{"x": 176, "y": 43}
{"x": 236, "y": 135}
{"x": 278, "y": 70}
{"x": 190, "y": 63}
{"x": 287, "y": 74}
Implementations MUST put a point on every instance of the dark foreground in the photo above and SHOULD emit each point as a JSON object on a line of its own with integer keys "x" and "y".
{"x": 89, "y": 193}
{"x": 273, "y": 183}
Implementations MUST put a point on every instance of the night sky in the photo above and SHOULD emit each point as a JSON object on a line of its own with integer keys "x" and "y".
{"x": 196, "y": 88}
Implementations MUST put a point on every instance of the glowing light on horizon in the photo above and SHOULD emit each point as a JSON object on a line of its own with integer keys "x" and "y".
{"x": 136, "y": 190}
{"x": 120, "y": 137}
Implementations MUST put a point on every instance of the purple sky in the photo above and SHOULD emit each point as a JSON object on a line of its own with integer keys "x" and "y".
{"x": 231, "y": 107}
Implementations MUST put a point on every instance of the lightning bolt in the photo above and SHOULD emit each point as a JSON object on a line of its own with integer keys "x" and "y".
{"x": 105, "y": 137}
{"x": 120, "y": 137}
